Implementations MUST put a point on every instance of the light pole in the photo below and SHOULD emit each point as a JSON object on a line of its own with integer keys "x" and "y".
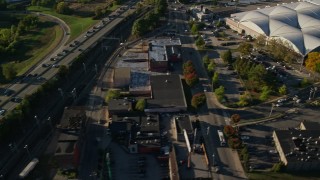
{"x": 311, "y": 91}
{"x": 27, "y": 149}
{"x": 74, "y": 93}
{"x": 314, "y": 91}
{"x": 50, "y": 123}
{"x": 84, "y": 67}
{"x": 61, "y": 92}
{"x": 208, "y": 130}
{"x": 272, "y": 106}
{"x": 37, "y": 120}
{"x": 96, "y": 68}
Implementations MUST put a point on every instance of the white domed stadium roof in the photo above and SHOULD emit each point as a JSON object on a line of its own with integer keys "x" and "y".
{"x": 297, "y": 23}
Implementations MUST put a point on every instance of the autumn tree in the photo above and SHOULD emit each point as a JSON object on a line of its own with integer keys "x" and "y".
{"x": 190, "y": 74}
{"x": 229, "y": 130}
{"x": 198, "y": 100}
{"x": 312, "y": 60}
{"x": 235, "y": 118}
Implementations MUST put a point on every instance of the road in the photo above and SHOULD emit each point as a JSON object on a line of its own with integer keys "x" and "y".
{"x": 211, "y": 117}
{"x": 32, "y": 83}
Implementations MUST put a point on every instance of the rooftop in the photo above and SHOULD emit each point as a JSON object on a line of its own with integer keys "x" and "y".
{"x": 167, "y": 91}
{"x": 150, "y": 123}
{"x": 165, "y": 42}
{"x": 310, "y": 125}
{"x": 300, "y": 145}
{"x": 139, "y": 81}
{"x": 157, "y": 53}
{"x": 183, "y": 122}
{"x": 72, "y": 117}
{"x": 119, "y": 105}
{"x": 122, "y": 73}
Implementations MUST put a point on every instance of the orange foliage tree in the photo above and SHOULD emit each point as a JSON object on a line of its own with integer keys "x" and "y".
{"x": 312, "y": 61}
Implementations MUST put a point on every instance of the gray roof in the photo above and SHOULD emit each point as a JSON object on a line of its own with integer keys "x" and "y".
{"x": 167, "y": 92}
{"x": 299, "y": 146}
{"x": 297, "y": 23}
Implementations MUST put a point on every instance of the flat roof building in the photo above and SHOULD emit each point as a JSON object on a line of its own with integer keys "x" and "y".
{"x": 161, "y": 51}
{"x": 167, "y": 94}
{"x": 299, "y": 150}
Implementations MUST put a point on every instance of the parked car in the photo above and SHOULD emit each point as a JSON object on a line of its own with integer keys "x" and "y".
{"x": 2, "y": 112}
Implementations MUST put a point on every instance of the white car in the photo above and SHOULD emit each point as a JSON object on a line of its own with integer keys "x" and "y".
{"x": 279, "y": 104}
{"x": 2, "y": 111}
{"x": 55, "y": 65}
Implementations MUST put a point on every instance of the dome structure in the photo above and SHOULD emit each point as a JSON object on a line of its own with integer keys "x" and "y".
{"x": 296, "y": 23}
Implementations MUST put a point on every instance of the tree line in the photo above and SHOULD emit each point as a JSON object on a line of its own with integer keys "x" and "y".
{"x": 151, "y": 20}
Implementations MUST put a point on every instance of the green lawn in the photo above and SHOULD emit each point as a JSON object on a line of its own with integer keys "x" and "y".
{"x": 283, "y": 176}
{"x": 76, "y": 24}
{"x": 46, "y": 40}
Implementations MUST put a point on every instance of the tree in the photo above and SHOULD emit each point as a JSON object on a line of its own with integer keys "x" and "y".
{"x": 206, "y": 60}
{"x": 200, "y": 42}
{"x": 219, "y": 92}
{"x": 194, "y": 29}
{"x": 244, "y": 99}
{"x": 112, "y": 94}
{"x": 211, "y": 66}
{"x": 311, "y": 61}
{"x": 139, "y": 27}
{"x": 62, "y": 8}
{"x": 63, "y": 71}
{"x": 235, "y": 118}
{"x": 226, "y": 56}
{"x": 278, "y": 167}
{"x": 304, "y": 82}
{"x": 9, "y": 72}
{"x": 215, "y": 79}
{"x": 229, "y": 130}
{"x": 191, "y": 79}
{"x": 98, "y": 12}
{"x": 140, "y": 105}
{"x": 265, "y": 93}
{"x": 260, "y": 42}
{"x": 245, "y": 48}
{"x": 283, "y": 90}
{"x": 198, "y": 100}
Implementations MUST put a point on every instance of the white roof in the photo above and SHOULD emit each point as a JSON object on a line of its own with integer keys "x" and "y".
{"x": 297, "y": 23}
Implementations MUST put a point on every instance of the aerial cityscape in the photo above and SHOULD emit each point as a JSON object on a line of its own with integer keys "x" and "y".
{"x": 160, "y": 89}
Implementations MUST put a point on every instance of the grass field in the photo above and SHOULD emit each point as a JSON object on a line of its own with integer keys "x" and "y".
{"x": 76, "y": 24}
{"x": 34, "y": 44}
{"x": 44, "y": 41}
{"x": 283, "y": 176}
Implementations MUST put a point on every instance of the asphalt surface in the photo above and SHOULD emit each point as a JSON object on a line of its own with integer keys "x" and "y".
{"x": 30, "y": 84}
{"x": 212, "y": 117}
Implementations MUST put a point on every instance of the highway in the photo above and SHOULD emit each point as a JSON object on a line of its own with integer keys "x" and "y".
{"x": 212, "y": 116}
{"x": 41, "y": 74}
{"x": 30, "y": 84}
